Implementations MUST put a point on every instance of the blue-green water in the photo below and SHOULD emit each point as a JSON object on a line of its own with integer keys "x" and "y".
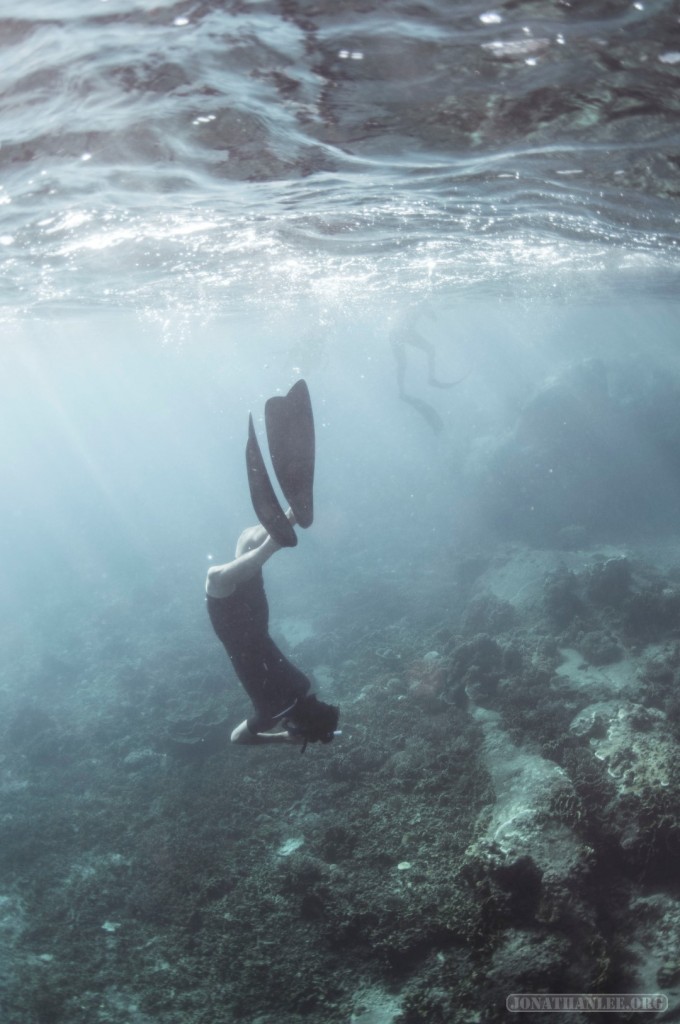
{"x": 199, "y": 205}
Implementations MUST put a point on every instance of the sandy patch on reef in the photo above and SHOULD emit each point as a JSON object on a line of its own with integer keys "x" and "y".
{"x": 526, "y": 785}
{"x": 294, "y": 630}
{"x": 616, "y": 678}
{"x": 375, "y": 1006}
{"x": 518, "y": 574}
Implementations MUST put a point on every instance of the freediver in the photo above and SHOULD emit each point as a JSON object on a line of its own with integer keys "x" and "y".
{"x": 403, "y": 336}
{"x": 285, "y": 710}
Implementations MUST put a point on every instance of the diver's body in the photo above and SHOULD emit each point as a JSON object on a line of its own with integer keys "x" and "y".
{"x": 238, "y": 610}
{"x": 404, "y": 335}
{"x": 285, "y": 711}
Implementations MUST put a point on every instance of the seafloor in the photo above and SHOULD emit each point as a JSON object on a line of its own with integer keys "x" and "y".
{"x": 500, "y": 815}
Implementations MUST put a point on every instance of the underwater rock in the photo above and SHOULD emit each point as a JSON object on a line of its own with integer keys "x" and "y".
{"x": 487, "y": 613}
{"x": 427, "y": 677}
{"x": 531, "y": 873}
{"x": 477, "y": 666}
{"x": 599, "y": 648}
{"x": 375, "y": 1006}
{"x": 609, "y": 582}
{"x": 630, "y": 740}
{"x": 530, "y": 959}
{"x": 561, "y": 597}
{"x": 641, "y": 759}
{"x": 652, "y": 612}
{"x": 529, "y": 849}
{"x": 661, "y": 665}
{"x": 655, "y": 946}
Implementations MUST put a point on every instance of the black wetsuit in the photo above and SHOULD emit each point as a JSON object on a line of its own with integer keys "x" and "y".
{"x": 241, "y": 621}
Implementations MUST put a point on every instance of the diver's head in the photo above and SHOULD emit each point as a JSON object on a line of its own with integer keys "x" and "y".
{"x": 312, "y": 720}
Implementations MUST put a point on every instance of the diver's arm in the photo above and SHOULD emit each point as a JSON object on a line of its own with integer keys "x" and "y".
{"x": 253, "y": 549}
{"x": 223, "y": 579}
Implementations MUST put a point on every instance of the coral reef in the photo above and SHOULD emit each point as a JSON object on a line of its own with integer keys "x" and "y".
{"x": 499, "y": 815}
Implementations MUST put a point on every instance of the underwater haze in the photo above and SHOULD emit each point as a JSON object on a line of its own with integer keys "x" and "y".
{"x": 458, "y": 222}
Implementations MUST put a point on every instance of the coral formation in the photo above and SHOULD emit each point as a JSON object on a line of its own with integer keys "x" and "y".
{"x": 499, "y": 814}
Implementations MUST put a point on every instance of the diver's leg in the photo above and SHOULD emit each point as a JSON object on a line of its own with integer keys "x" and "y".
{"x": 244, "y": 736}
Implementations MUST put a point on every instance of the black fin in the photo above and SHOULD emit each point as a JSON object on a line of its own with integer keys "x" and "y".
{"x": 265, "y": 502}
{"x": 290, "y": 432}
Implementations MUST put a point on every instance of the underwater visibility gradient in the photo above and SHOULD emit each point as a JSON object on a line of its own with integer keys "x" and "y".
{"x": 458, "y": 222}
